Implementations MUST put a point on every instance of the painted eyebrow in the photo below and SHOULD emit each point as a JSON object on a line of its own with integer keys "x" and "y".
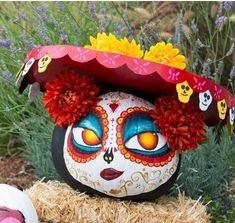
{"x": 92, "y": 122}
{"x": 136, "y": 124}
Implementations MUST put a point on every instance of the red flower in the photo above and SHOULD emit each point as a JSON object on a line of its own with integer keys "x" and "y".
{"x": 69, "y": 97}
{"x": 181, "y": 124}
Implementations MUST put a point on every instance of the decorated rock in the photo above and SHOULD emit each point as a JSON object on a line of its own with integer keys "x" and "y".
{"x": 122, "y": 115}
{"x": 15, "y": 206}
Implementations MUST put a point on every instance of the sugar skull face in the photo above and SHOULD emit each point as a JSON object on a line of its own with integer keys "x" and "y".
{"x": 24, "y": 70}
{"x": 184, "y": 92}
{"x": 43, "y": 63}
{"x": 205, "y": 100}
{"x": 222, "y": 108}
{"x": 231, "y": 115}
{"x": 117, "y": 150}
{"x": 28, "y": 65}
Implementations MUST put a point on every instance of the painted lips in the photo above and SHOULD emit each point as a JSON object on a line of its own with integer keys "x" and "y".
{"x": 110, "y": 174}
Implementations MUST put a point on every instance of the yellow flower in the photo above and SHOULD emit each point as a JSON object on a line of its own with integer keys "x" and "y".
{"x": 131, "y": 49}
{"x": 165, "y": 54}
{"x": 110, "y": 43}
{"x": 103, "y": 43}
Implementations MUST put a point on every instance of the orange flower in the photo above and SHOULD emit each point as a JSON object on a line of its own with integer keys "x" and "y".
{"x": 181, "y": 124}
{"x": 69, "y": 97}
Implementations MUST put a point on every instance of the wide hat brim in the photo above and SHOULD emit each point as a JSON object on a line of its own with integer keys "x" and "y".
{"x": 120, "y": 72}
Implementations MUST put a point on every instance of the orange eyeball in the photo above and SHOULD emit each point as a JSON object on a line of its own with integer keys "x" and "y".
{"x": 148, "y": 140}
{"x": 90, "y": 138}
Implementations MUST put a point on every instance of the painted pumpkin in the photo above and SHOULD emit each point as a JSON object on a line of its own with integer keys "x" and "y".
{"x": 116, "y": 150}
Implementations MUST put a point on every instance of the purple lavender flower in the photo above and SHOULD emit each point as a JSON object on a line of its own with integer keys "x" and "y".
{"x": 227, "y": 5}
{"x": 42, "y": 10}
{"x": 6, "y": 43}
{"x": 220, "y": 20}
{"x": 103, "y": 11}
{"x": 194, "y": 27}
{"x": 232, "y": 73}
{"x": 126, "y": 21}
{"x": 117, "y": 29}
{"x": 6, "y": 75}
{"x": 28, "y": 43}
{"x": 63, "y": 38}
{"x": 21, "y": 17}
{"x": 103, "y": 24}
{"x": 44, "y": 37}
{"x": 92, "y": 10}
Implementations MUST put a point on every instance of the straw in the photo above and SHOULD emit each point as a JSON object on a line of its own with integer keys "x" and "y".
{"x": 58, "y": 203}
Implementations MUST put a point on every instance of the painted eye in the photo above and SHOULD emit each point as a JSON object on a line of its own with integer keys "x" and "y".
{"x": 90, "y": 138}
{"x": 182, "y": 87}
{"x": 86, "y": 137}
{"x": 147, "y": 143}
{"x": 148, "y": 140}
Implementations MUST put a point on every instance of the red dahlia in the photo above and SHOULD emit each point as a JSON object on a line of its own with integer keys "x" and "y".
{"x": 181, "y": 124}
{"x": 69, "y": 97}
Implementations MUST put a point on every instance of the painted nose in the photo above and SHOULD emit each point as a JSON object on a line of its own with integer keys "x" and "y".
{"x": 108, "y": 156}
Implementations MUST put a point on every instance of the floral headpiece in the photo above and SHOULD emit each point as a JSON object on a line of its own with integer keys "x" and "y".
{"x": 70, "y": 77}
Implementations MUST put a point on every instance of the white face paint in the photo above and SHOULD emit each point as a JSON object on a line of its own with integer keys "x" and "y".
{"x": 117, "y": 150}
{"x": 231, "y": 115}
{"x": 205, "y": 100}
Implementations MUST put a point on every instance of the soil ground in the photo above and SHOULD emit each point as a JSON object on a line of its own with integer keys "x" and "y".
{"x": 15, "y": 171}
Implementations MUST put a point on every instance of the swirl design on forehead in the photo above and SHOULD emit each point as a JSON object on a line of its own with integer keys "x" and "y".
{"x": 141, "y": 141}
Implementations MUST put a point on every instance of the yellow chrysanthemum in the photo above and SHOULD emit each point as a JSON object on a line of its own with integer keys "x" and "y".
{"x": 110, "y": 43}
{"x": 165, "y": 54}
{"x": 130, "y": 48}
{"x": 104, "y": 42}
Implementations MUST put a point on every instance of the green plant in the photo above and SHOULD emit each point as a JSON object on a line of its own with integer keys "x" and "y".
{"x": 220, "y": 214}
{"x": 208, "y": 169}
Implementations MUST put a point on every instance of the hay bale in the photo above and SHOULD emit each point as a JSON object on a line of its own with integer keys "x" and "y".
{"x": 57, "y": 202}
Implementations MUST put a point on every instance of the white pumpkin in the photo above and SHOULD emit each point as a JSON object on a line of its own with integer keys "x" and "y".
{"x": 12, "y": 198}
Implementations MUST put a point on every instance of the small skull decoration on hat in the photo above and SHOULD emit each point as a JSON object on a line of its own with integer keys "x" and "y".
{"x": 114, "y": 134}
